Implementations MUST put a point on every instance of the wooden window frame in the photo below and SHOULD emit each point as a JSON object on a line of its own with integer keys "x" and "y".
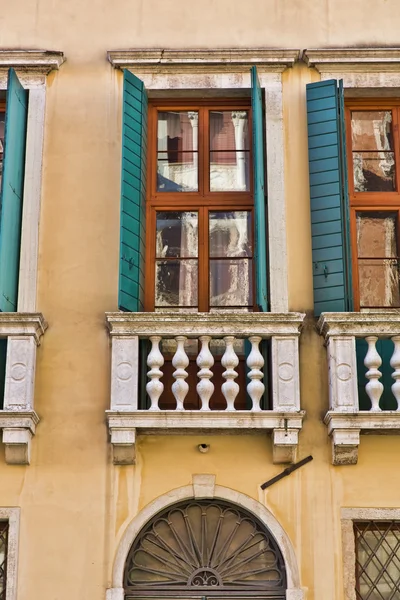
{"x": 371, "y": 201}
{"x": 203, "y": 201}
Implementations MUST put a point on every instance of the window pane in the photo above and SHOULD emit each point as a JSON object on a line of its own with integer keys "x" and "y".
{"x": 177, "y": 146}
{"x": 229, "y": 171}
{"x": 373, "y": 156}
{"x": 231, "y": 282}
{"x": 229, "y": 130}
{"x": 377, "y": 259}
{"x": 229, "y": 145}
{"x": 230, "y": 233}
{"x": 177, "y": 234}
{"x": 176, "y": 283}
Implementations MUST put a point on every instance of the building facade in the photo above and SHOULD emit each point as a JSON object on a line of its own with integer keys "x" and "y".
{"x": 198, "y": 289}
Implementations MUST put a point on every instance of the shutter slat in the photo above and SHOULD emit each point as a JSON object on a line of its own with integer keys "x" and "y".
{"x": 260, "y": 245}
{"x": 12, "y": 188}
{"x": 133, "y": 194}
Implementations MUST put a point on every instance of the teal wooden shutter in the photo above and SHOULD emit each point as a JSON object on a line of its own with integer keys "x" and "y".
{"x": 12, "y": 189}
{"x": 329, "y": 198}
{"x": 260, "y": 245}
{"x": 133, "y": 194}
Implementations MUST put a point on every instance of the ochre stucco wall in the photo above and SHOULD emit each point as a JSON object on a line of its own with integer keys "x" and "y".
{"x": 74, "y": 504}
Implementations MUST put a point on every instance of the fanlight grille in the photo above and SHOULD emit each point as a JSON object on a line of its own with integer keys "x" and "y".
{"x": 208, "y": 546}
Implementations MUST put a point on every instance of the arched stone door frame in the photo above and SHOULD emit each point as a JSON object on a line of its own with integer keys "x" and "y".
{"x": 201, "y": 488}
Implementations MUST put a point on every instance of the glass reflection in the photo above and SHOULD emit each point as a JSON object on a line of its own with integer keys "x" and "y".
{"x": 177, "y": 234}
{"x": 378, "y": 270}
{"x": 230, "y": 233}
{"x": 176, "y": 283}
{"x": 177, "y": 151}
{"x": 230, "y": 282}
{"x": 229, "y": 151}
{"x": 373, "y": 155}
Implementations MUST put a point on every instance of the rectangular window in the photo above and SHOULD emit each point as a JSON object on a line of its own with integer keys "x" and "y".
{"x": 377, "y": 545}
{"x": 200, "y": 224}
{"x": 3, "y": 558}
{"x": 374, "y": 190}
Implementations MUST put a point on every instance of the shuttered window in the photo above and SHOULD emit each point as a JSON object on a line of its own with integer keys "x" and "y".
{"x": 197, "y": 251}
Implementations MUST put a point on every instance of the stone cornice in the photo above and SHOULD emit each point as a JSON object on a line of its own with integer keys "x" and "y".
{"x": 196, "y": 324}
{"x": 197, "y": 60}
{"x": 42, "y": 61}
{"x": 381, "y": 323}
{"x": 22, "y": 324}
{"x": 353, "y": 60}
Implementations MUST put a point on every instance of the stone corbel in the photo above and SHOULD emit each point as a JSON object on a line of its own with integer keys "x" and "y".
{"x": 285, "y": 444}
{"x": 123, "y": 441}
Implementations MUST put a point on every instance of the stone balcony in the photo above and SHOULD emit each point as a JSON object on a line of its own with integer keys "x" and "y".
{"x": 210, "y": 351}
{"x": 345, "y": 419}
{"x": 18, "y": 418}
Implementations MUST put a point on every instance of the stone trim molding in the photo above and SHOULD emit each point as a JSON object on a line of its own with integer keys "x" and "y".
{"x": 203, "y": 486}
{"x": 352, "y": 59}
{"x": 12, "y": 515}
{"x": 42, "y": 61}
{"x": 168, "y": 324}
{"x": 358, "y": 67}
{"x": 222, "y": 72}
{"x": 217, "y": 60}
{"x": 294, "y": 591}
{"x": 348, "y": 515}
{"x": 384, "y": 323}
{"x": 18, "y": 418}
{"x": 23, "y": 324}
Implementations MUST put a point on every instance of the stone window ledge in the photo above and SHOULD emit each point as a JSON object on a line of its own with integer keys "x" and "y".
{"x": 124, "y": 425}
{"x": 18, "y": 418}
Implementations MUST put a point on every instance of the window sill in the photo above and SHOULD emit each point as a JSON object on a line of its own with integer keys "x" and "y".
{"x": 124, "y": 425}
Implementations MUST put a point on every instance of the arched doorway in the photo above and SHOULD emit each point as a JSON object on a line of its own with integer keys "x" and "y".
{"x": 204, "y": 549}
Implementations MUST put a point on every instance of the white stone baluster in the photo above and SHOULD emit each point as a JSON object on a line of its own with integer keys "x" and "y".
{"x": 229, "y": 361}
{"x": 395, "y": 364}
{"x": 155, "y": 360}
{"x": 180, "y": 361}
{"x": 205, "y": 360}
{"x": 255, "y": 362}
{"x": 373, "y": 361}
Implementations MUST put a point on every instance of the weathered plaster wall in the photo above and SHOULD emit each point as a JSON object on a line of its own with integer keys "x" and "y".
{"x": 74, "y": 504}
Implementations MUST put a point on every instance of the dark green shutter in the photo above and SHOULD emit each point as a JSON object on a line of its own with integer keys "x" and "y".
{"x": 260, "y": 246}
{"x": 12, "y": 189}
{"x": 329, "y": 198}
{"x": 133, "y": 194}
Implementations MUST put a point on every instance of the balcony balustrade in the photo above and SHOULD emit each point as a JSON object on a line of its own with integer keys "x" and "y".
{"x": 350, "y": 384}
{"x": 186, "y": 380}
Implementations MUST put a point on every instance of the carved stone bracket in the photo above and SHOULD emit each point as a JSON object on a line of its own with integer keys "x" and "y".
{"x": 18, "y": 418}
